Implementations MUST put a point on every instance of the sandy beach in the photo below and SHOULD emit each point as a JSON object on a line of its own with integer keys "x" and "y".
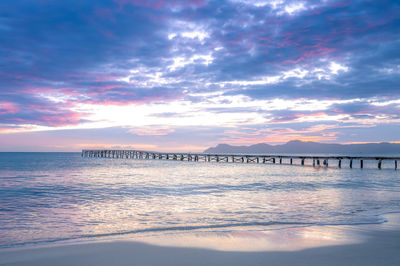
{"x": 376, "y": 245}
{"x": 381, "y": 249}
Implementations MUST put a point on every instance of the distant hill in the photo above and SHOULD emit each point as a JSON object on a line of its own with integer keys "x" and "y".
{"x": 297, "y": 146}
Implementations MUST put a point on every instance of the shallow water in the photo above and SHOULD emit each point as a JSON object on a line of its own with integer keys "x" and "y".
{"x": 47, "y": 197}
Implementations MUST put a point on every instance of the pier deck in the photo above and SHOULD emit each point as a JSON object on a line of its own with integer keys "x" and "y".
{"x": 243, "y": 158}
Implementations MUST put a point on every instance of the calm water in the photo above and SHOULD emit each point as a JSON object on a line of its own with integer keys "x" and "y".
{"x": 46, "y": 197}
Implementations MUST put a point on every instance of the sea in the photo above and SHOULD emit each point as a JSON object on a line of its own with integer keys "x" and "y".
{"x": 55, "y": 197}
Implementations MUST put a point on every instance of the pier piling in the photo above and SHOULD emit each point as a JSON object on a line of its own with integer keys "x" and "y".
{"x": 234, "y": 158}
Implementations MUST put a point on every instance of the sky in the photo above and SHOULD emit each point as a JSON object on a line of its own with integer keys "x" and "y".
{"x": 186, "y": 75}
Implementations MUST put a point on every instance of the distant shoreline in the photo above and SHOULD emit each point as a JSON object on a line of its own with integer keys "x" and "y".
{"x": 297, "y": 146}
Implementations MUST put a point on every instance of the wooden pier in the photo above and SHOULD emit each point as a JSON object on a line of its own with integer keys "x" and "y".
{"x": 317, "y": 161}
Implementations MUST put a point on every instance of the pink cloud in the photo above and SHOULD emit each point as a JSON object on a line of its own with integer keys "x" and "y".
{"x": 8, "y": 107}
{"x": 35, "y": 90}
{"x": 294, "y": 61}
{"x": 311, "y": 115}
{"x": 61, "y": 118}
{"x": 152, "y": 131}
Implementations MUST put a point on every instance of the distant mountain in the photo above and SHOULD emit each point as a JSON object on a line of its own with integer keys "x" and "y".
{"x": 297, "y": 146}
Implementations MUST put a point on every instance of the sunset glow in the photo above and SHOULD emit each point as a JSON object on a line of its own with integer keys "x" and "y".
{"x": 186, "y": 75}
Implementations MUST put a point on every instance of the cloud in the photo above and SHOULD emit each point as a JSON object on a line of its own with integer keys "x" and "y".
{"x": 208, "y": 63}
{"x": 77, "y": 139}
{"x": 151, "y": 131}
{"x": 8, "y": 108}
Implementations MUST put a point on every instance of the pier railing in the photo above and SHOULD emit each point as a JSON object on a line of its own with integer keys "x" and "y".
{"x": 242, "y": 158}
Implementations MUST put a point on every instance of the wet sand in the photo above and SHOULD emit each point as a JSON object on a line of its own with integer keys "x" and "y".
{"x": 375, "y": 245}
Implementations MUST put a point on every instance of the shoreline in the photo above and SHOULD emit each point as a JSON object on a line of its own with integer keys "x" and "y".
{"x": 151, "y": 234}
{"x": 375, "y": 244}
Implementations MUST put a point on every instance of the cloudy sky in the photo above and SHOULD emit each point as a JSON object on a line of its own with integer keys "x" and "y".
{"x": 185, "y": 75}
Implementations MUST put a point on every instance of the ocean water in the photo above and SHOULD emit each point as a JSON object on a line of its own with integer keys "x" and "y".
{"x": 51, "y": 197}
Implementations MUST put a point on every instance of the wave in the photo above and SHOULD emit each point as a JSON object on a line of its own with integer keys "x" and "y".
{"x": 284, "y": 225}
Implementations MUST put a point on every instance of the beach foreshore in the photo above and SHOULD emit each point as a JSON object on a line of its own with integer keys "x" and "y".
{"x": 372, "y": 245}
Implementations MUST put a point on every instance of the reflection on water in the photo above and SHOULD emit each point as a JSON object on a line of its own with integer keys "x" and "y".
{"x": 50, "y": 197}
{"x": 288, "y": 239}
